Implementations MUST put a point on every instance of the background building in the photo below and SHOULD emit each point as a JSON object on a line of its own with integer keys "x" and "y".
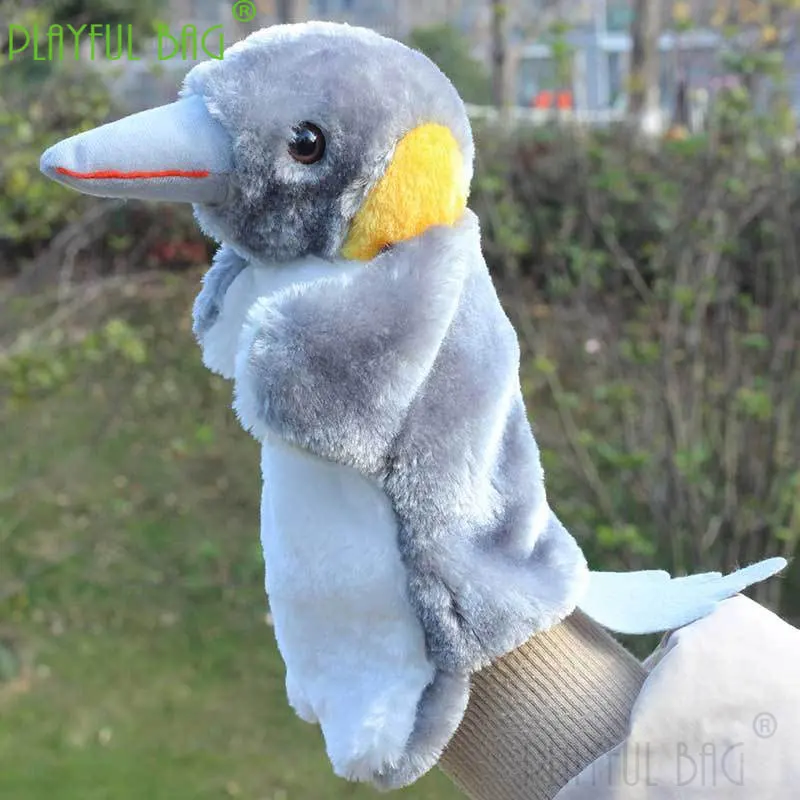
{"x": 596, "y": 37}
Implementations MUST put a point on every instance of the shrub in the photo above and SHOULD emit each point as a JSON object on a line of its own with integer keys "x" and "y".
{"x": 656, "y": 291}
{"x": 448, "y": 48}
{"x": 34, "y": 113}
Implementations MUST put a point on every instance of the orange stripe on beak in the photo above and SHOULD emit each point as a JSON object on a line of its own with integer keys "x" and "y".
{"x": 113, "y": 174}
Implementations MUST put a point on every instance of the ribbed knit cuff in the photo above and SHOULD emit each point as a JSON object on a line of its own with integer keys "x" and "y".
{"x": 542, "y": 713}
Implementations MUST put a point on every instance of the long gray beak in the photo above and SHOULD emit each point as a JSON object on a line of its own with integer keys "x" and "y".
{"x": 177, "y": 152}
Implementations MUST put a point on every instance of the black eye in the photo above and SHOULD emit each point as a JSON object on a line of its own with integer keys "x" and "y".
{"x": 308, "y": 143}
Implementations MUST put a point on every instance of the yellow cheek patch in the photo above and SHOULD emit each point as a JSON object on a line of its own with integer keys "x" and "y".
{"x": 424, "y": 185}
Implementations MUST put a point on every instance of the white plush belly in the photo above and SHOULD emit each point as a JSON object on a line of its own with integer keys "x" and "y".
{"x": 353, "y": 647}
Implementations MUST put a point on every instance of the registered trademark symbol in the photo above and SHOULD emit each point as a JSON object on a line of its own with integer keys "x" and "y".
{"x": 244, "y": 10}
{"x": 765, "y": 725}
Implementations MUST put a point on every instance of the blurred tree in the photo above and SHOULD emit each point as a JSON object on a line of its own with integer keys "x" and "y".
{"x": 643, "y": 90}
{"x": 528, "y": 20}
{"x": 757, "y": 40}
{"x": 446, "y": 47}
{"x": 499, "y": 52}
{"x": 562, "y": 54}
{"x": 287, "y": 11}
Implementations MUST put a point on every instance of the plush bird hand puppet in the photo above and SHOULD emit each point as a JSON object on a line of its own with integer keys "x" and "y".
{"x": 407, "y": 536}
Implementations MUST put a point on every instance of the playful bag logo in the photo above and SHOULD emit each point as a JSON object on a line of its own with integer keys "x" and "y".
{"x": 115, "y": 42}
{"x": 244, "y": 10}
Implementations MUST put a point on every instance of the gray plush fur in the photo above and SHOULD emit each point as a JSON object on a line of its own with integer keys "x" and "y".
{"x": 277, "y": 209}
{"x": 408, "y": 372}
{"x": 439, "y": 712}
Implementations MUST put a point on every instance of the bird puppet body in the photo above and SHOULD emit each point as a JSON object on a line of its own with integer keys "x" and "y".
{"x": 407, "y": 536}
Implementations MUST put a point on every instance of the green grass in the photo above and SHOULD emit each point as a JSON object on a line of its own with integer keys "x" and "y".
{"x": 139, "y": 662}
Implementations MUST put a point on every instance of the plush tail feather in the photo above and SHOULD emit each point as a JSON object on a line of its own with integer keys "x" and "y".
{"x": 650, "y": 601}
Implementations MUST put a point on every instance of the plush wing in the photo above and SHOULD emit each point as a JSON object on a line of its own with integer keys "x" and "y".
{"x": 651, "y": 601}
{"x": 333, "y": 365}
{"x": 207, "y": 306}
{"x": 220, "y": 309}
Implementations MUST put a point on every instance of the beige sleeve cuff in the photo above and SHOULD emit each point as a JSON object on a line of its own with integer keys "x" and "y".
{"x": 540, "y": 714}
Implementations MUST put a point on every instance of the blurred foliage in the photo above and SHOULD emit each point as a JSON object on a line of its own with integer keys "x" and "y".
{"x": 563, "y": 54}
{"x": 34, "y": 117}
{"x": 656, "y": 289}
{"x": 450, "y": 51}
{"x": 46, "y": 227}
{"x": 137, "y": 659}
{"x": 754, "y": 32}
